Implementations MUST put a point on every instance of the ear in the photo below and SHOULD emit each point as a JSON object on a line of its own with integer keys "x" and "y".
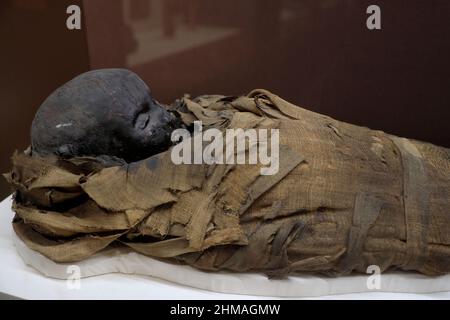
{"x": 66, "y": 150}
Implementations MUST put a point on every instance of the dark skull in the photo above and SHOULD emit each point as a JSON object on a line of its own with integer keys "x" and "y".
{"x": 103, "y": 112}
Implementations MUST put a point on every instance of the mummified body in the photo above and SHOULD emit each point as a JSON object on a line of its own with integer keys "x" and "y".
{"x": 344, "y": 197}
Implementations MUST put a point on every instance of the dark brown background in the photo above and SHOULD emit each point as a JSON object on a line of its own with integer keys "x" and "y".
{"x": 317, "y": 54}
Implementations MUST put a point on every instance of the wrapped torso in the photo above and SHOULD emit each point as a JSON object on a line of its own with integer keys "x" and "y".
{"x": 344, "y": 198}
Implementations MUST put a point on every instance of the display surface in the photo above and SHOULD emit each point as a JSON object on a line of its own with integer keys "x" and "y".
{"x": 343, "y": 198}
{"x": 112, "y": 274}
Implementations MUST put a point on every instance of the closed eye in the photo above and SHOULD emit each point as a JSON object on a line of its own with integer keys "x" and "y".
{"x": 142, "y": 121}
{"x": 147, "y": 120}
{"x": 142, "y": 109}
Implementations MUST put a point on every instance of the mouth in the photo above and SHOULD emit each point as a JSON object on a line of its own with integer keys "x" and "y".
{"x": 175, "y": 121}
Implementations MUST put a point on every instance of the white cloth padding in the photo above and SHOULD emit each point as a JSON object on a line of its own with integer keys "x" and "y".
{"x": 127, "y": 262}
